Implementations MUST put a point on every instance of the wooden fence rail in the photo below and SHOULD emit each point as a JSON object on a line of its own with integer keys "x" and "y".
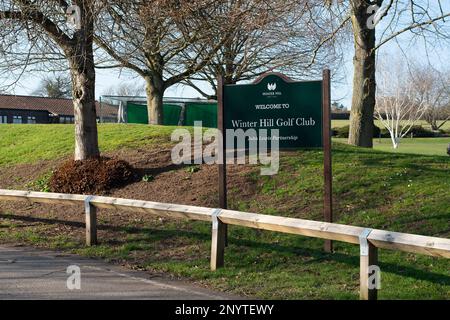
{"x": 368, "y": 239}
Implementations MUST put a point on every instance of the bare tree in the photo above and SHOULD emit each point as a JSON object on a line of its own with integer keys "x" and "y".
{"x": 155, "y": 39}
{"x": 275, "y": 35}
{"x": 114, "y": 96}
{"x": 35, "y": 35}
{"x": 386, "y": 19}
{"x": 122, "y": 90}
{"x": 125, "y": 90}
{"x": 59, "y": 86}
{"x": 398, "y": 107}
{"x": 433, "y": 88}
{"x": 419, "y": 18}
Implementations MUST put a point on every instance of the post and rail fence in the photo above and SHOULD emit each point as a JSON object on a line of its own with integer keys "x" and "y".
{"x": 368, "y": 239}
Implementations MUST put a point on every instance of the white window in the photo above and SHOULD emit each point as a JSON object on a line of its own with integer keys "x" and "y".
{"x": 66, "y": 119}
{"x": 3, "y": 119}
{"x": 31, "y": 120}
{"x": 17, "y": 119}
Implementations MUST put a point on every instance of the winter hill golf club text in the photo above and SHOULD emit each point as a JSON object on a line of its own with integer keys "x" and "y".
{"x": 290, "y": 122}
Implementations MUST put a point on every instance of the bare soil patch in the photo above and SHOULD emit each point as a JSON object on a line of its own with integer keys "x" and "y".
{"x": 170, "y": 183}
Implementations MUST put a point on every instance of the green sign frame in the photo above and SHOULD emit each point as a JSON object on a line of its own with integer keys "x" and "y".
{"x": 305, "y": 99}
{"x": 276, "y": 102}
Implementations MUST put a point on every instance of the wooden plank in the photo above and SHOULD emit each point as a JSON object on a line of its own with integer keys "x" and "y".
{"x": 382, "y": 239}
{"x": 317, "y": 229}
{"x": 432, "y": 246}
{"x": 327, "y": 169}
{"x": 156, "y": 208}
{"x": 438, "y": 247}
{"x": 42, "y": 197}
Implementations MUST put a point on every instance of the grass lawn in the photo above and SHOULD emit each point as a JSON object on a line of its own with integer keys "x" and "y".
{"x": 425, "y": 146}
{"x": 54, "y": 141}
{"x": 372, "y": 188}
{"x": 342, "y": 123}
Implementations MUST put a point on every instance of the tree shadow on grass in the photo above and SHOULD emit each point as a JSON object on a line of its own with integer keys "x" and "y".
{"x": 315, "y": 255}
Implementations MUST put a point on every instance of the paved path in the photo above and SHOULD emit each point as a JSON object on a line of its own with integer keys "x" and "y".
{"x": 29, "y": 273}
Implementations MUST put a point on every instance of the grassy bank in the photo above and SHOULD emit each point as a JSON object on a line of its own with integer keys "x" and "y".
{"x": 31, "y": 143}
{"x": 372, "y": 188}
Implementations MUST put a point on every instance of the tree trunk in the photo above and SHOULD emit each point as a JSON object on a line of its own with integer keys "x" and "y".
{"x": 81, "y": 60}
{"x": 86, "y": 137}
{"x": 395, "y": 141}
{"x": 363, "y": 99}
{"x": 434, "y": 125}
{"x": 155, "y": 93}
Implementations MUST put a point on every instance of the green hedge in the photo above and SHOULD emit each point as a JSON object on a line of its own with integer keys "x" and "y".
{"x": 416, "y": 131}
{"x": 343, "y": 132}
{"x": 421, "y": 132}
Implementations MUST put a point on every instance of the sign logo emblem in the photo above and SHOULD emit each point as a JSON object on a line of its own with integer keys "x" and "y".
{"x": 271, "y": 86}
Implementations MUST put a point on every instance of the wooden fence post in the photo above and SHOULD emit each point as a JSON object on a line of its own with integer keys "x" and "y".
{"x": 368, "y": 259}
{"x": 91, "y": 222}
{"x": 218, "y": 241}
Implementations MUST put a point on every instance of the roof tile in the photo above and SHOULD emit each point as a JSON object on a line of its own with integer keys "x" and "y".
{"x": 63, "y": 107}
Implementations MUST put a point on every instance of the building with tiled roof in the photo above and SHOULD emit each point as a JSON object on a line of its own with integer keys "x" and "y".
{"x": 31, "y": 109}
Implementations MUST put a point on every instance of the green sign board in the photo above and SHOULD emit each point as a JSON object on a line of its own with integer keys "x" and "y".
{"x": 276, "y": 102}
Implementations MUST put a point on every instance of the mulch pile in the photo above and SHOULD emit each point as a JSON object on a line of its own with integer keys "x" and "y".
{"x": 92, "y": 176}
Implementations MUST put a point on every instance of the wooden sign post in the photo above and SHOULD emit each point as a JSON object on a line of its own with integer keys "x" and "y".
{"x": 327, "y": 170}
{"x": 222, "y": 147}
{"x": 300, "y": 110}
{"x": 222, "y": 153}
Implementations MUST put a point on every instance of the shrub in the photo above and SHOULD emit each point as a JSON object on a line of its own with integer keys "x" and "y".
{"x": 417, "y": 131}
{"x": 421, "y": 132}
{"x": 343, "y": 132}
{"x": 444, "y": 133}
{"x": 384, "y": 133}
